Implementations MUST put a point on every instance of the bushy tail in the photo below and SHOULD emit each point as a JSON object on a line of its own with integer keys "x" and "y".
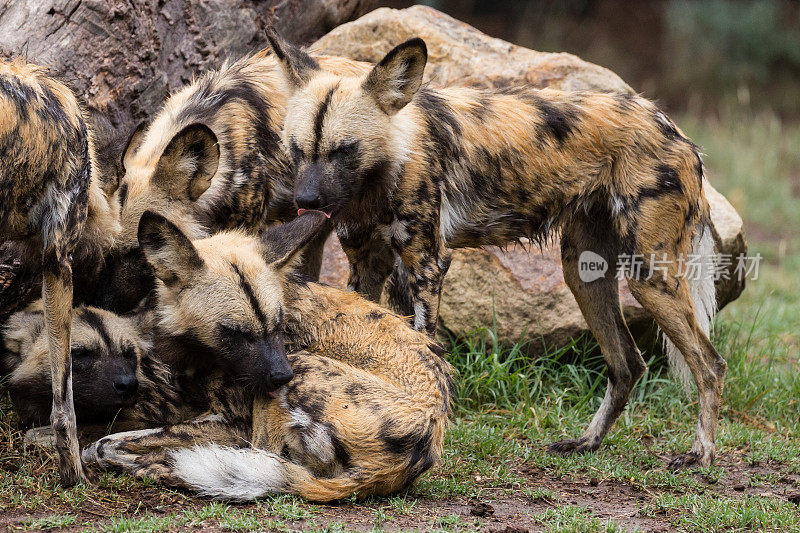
{"x": 247, "y": 474}
{"x": 704, "y": 297}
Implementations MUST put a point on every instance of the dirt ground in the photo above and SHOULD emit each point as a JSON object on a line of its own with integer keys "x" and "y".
{"x": 512, "y": 509}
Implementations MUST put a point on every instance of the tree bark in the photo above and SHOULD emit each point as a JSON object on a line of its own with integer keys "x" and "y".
{"x": 124, "y": 56}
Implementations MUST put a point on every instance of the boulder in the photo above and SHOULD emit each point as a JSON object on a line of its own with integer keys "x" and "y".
{"x": 458, "y": 54}
{"x": 519, "y": 291}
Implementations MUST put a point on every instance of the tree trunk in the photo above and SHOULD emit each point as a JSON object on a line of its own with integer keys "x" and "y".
{"x": 124, "y": 56}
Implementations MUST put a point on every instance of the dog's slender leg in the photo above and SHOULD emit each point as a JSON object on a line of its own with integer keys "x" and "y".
{"x": 599, "y": 303}
{"x": 57, "y": 295}
{"x": 427, "y": 260}
{"x": 673, "y": 311}
{"x": 371, "y": 262}
{"x": 145, "y": 452}
{"x": 398, "y": 290}
{"x": 426, "y": 275}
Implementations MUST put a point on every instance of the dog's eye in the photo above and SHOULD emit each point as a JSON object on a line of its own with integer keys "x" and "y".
{"x": 83, "y": 358}
{"x": 236, "y": 332}
{"x": 295, "y": 151}
{"x": 344, "y": 151}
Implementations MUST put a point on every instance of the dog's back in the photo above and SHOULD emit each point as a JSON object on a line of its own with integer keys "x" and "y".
{"x": 44, "y": 151}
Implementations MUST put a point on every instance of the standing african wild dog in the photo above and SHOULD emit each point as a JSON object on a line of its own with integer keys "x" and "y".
{"x": 211, "y": 159}
{"x": 365, "y": 411}
{"x": 411, "y": 171}
{"x": 46, "y": 190}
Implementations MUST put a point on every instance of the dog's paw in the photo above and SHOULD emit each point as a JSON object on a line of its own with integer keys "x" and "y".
{"x": 690, "y": 460}
{"x": 94, "y": 453}
{"x": 43, "y": 437}
{"x": 570, "y": 446}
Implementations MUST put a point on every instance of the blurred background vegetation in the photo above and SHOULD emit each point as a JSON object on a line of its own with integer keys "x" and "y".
{"x": 728, "y": 72}
{"x": 690, "y": 55}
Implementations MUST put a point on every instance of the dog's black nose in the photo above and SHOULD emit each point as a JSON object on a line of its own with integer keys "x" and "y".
{"x": 308, "y": 200}
{"x": 279, "y": 378}
{"x": 126, "y": 386}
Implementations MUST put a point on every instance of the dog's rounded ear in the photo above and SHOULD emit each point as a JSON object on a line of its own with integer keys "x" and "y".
{"x": 19, "y": 334}
{"x": 188, "y": 163}
{"x": 298, "y": 67}
{"x": 169, "y": 251}
{"x": 283, "y": 243}
{"x": 134, "y": 140}
{"x": 395, "y": 80}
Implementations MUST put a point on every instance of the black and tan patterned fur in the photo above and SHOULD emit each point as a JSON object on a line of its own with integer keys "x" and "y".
{"x": 364, "y": 412}
{"x": 210, "y": 160}
{"x": 117, "y": 379}
{"x": 409, "y": 171}
{"x": 46, "y": 193}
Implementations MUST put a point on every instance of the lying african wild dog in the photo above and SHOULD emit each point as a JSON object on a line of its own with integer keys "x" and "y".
{"x": 46, "y": 192}
{"x": 364, "y": 413}
{"x": 407, "y": 170}
{"x": 211, "y": 157}
{"x": 115, "y": 375}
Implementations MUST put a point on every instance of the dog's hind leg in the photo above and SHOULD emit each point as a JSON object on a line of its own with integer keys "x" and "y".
{"x": 670, "y": 304}
{"x": 598, "y": 300}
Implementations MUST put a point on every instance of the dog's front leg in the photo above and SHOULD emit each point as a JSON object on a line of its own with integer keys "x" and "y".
{"x": 145, "y": 452}
{"x": 427, "y": 262}
{"x": 57, "y": 296}
{"x": 371, "y": 261}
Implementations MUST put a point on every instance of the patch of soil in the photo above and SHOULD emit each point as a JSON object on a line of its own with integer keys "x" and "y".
{"x": 497, "y": 510}
{"x": 756, "y": 479}
{"x": 607, "y": 500}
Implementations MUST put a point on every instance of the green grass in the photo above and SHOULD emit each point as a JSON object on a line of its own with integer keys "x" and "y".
{"x": 51, "y": 522}
{"x": 695, "y": 512}
{"x": 508, "y": 407}
{"x": 573, "y": 518}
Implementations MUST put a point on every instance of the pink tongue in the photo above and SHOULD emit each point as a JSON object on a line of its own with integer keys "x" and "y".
{"x": 301, "y": 211}
{"x": 272, "y": 394}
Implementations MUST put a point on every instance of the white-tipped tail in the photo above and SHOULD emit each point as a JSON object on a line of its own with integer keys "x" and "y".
{"x": 231, "y": 473}
{"x": 700, "y": 271}
{"x": 245, "y": 474}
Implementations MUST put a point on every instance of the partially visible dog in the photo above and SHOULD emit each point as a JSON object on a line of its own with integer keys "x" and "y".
{"x": 117, "y": 380}
{"x": 46, "y": 191}
{"x": 408, "y": 171}
{"x": 210, "y": 160}
{"x": 360, "y": 410}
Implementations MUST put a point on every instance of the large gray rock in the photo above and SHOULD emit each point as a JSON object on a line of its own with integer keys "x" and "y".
{"x": 521, "y": 291}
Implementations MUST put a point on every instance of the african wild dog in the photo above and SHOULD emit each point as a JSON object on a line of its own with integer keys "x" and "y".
{"x": 210, "y": 160}
{"x": 21, "y": 278}
{"x": 407, "y": 170}
{"x": 365, "y": 411}
{"x": 46, "y": 191}
{"x": 115, "y": 375}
